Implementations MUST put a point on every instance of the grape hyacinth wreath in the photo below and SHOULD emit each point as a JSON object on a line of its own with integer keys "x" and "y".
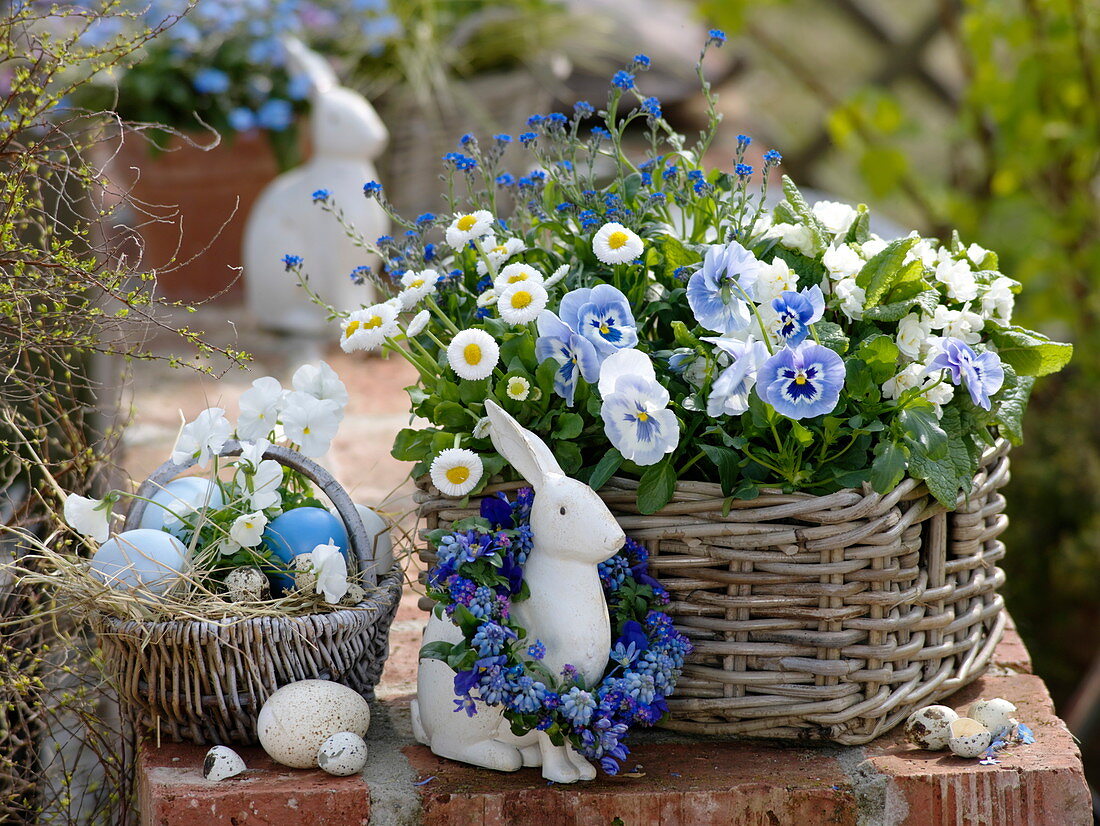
{"x": 477, "y": 578}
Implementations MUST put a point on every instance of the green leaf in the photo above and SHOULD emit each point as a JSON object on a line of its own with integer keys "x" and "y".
{"x": 569, "y": 426}
{"x": 884, "y": 270}
{"x": 675, "y": 255}
{"x": 452, "y": 414}
{"x": 926, "y": 300}
{"x": 860, "y": 230}
{"x": 605, "y": 469}
{"x": 657, "y": 485}
{"x": 470, "y": 392}
{"x": 888, "y": 467}
{"x": 921, "y": 426}
{"x": 727, "y": 462}
{"x": 411, "y": 445}
{"x": 1011, "y": 402}
{"x": 948, "y": 476}
{"x": 631, "y": 186}
{"x": 568, "y": 455}
{"x": 802, "y": 434}
{"x": 805, "y": 215}
{"x": 683, "y": 335}
{"x": 880, "y": 353}
{"x": 1029, "y": 353}
{"x": 832, "y": 336}
{"x": 438, "y": 650}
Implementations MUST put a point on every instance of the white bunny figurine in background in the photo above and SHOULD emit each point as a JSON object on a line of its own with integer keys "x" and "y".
{"x": 573, "y": 532}
{"x": 346, "y": 135}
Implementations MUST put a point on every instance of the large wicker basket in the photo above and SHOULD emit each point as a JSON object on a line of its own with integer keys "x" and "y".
{"x": 820, "y": 617}
{"x": 206, "y": 681}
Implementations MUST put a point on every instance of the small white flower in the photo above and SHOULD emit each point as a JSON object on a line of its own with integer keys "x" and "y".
{"x": 873, "y": 247}
{"x": 521, "y": 303}
{"x": 252, "y": 453}
{"x": 939, "y": 395}
{"x": 959, "y": 280}
{"x": 320, "y": 381}
{"x": 487, "y": 298}
{"x": 456, "y": 471}
{"x": 310, "y": 423}
{"x": 842, "y": 261}
{"x": 516, "y": 274}
{"x": 418, "y": 324}
{"x": 331, "y": 570}
{"x": 836, "y": 217}
{"x": 481, "y": 429}
{"x": 498, "y": 254}
{"x": 473, "y": 354}
{"x": 773, "y": 279}
{"x": 247, "y": 530}
{"x": 794, "y": 237}
{"x": 615, "y": 244}
{"x": 998, "y": 300}
{"x": 417, "y": 286}
{"x": 88, "y": 517}
{"x": 366, "y": 329}
{"x": 962, "y": 324}
{"x": 907, "y": 379}
{"x": 469, "y": 227}
{"x": 976, "y": 254}
{"x": 227, "y": 547}
{"x": 518, "y": 388}
{"x": 260, "y": 406}
{"x": 851, "y": 298}
{"x": 923, "y": 251}
{"x": 260, "y": 487}
{"x": 556, "y": 276}
{"x": 203, "y": 437}
{"x": 912, "y": 333}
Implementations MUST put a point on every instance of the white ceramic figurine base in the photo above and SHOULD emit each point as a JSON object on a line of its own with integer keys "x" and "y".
{"x": 347, "y": 135}
{"x": 573, "y": 532}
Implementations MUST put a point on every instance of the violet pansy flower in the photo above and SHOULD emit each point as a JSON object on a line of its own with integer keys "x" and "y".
{"x": 801, "y": 382}
{"x": 575, "y": 355}
{"x": 983, "y": 374}
{"x": 797, "y": 311}
{"x": 602, "y": 315}
{"x": 718, "y": 293}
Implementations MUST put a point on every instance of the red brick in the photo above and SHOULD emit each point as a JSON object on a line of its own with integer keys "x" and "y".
{"x": 173, "y": 792}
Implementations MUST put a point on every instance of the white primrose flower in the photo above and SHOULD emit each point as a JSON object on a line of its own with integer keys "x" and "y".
{"x": 456, "y": 471}
{"x": 418, "y": 285}
{"x": 615, "y": 244}
{"x": 907, "y": 379}
{"x": 498, "y": 253}
{"x": 473, "y": 354}
{"x": 260, "y": 406}
{"x": 998, "y": 300}
{"x": 203, "y": 437}
{"x": 851, "y": 298}
{"x": 310, "y": 423}
{"x": 320, "y": 381}
{"x": 516, "y": 274}
{"x": 913, "y": 332}
{"x": 418, "y": 324}
{"x": 959, "y": 280}
{"x": 962, "y": 324}
{"x": 331, "y": 570}
{"x": 521, "y": 303}
{"x": 977, "y": 254}
{"x": 773, "y": 279}
{"x": 487, "y": 298}
{"x": 923, "y": 251}
{"x": 88, "y": 517}
{"x": 873, "y": 247}
{"x": 248, "y": 529}
{"x": 842, "y": 261}
{"x": 469, "y": 227}
{"x": 556, "y": 276}
{"x": 794, "y": 237}
{"x": 518, "y": 388}
{"x": 366, "y": 329}
{"x": 835, "y": 216}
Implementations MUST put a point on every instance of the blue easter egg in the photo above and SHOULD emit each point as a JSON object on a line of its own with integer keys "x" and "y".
{"x": 182, "y": 497}
{"x": 299, "y": 531}
{"x": 143, "y": 558}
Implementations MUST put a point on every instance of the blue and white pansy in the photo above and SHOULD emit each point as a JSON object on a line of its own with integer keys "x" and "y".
{"x": 729, "y": 395}
{"x": 635, "y": 410}
{"x": 603, "y": 316}
{"x": 575, "y": 355}
{"x": 718, "y": 294}
{"x": 983, "y": 374}
{"x": 802, "y": 382}
{"x": 797, "y": 311}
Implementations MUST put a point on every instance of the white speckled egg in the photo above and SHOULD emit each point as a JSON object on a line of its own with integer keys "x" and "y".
{"x": 994, "y": 714}
{"x": 299, "y": 717}
{"x": 141, "y": 559}
{"x": 930, "y": 727}
{"x": 180, "y": 497}
{"x": 222, "y": 762}
{"x": 305, "y": 578}
{"x": 342, "y": 754}
{"x": 247, "y": 585}
{"x": 378, "y": 532}
{"x": 969, "y": 738}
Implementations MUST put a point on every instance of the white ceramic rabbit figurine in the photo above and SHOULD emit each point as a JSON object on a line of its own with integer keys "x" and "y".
{"x": 573, "y": 533}
{"x": 346, "y": 134}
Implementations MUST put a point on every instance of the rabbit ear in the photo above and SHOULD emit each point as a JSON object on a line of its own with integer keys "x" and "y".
{"x": 526, "y": 452}
{"x": 309, "y": 63}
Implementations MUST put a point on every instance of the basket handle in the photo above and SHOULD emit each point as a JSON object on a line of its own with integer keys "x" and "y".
{"x": 362, "y": 547}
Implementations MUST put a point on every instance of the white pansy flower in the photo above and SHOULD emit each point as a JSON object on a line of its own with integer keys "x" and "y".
{"x": 248, "y": 529}
{"x": 88, "y": 517}
{"x": 794, "y": 237}
{"x": 959, "y": 280}
{"x": 473, "y": 354}
{"x": 615, "y": 244}
{"x": 320, "y": 381}
{"x": 518, "y": 388}
{"x": 556, "y": 276}
{"x": 418, "y": 324}
{"x": 481, "y": 429}
{"x": 913, "y": 330}
{"x": 227, "y": 547}
{"x": 260, "y": 486}
{"x": 366, "y": 329}
{"x": 418, "y": 285}
{"x": 331, "y": 570}
{"x": 487, "y": 298}
{"x": 962, "y": 324}
{"x": 260, "y": 406}
{"x": 252, "y": 453}
{"x": 851, "y": 297}
{"x": 498, "y": 253}
{"x": 456, "y": 471}
{"x": 773, "y": 279}
{"x": 515, "y": 274}
{"x": 204, "y": 437}
{"x": 310, "y": 423}
{"x": 522, "y": 302}
{"x": 842, "y": 261}
{"x": 998, "y": 300}
{"x": 469, "y": 227}
{"x": 836, "y": 217}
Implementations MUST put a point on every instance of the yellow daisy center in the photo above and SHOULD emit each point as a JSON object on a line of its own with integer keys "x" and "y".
{"x": 472, "y": 354}
{"x": 515, "y": 278}
{"x": 351, "y": 328}
{"x": 459, "y": 473}
{"x": 617, "y": 239}
{"x": 521, "y": 299}
{"x": 517, "y": 387}
{"x": 500, "y": 249}
{"x": 373, "y": 322}
{"x": 417, "y": 283}
{"x": 466, "y": 223}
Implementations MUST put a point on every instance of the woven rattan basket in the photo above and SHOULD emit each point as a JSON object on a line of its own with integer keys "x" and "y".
{"x": 819, "y": 617}
{"x": 206, "y": 681}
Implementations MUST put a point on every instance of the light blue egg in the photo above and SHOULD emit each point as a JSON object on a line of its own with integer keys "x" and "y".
{"x": 299, "y": 531}
{"x": 180, "y": 496}
{"x": 143, "y": 559}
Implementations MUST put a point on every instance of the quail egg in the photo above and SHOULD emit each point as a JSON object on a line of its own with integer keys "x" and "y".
{"x": 930, "y": 727}
{"x": 994, "y": 714}
{"x": 342, "y": 754}
{"x": 222, "y": 762}
{"x": 969, "y": 738}
{"x": 247, "y": 585}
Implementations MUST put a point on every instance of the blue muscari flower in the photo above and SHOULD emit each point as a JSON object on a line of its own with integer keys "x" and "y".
{"x": 613, "y": 572}
{"x": 359, "y": 274}
{"x": 641, "y": 687}
{"x": 801, "y": 382}
{"x": 577, "y": 706}
{"x": 210, "y": 81}
{"x": 425, "y": 217}
{"x": 575, "y": 354}
{"x": 772, "y": 158}
{"x": 743, "y": 141}
{"x": 490, "y": 638}
{"x": 641, "y": 61}
{"x": 528, "y": 695}
{"x": 623, "y": 79}
{"x": 797, "y": 311}
{"x": 583, "y": 109}
{"x": 652, "y": 107}
{"x": 275, "y": 114}
{"x": 983, "y": 374}
{"x": 717, "y": 293}
{"x": 527, "y": 138}
{"x": 743, "y": 170}
{"x": 320, "y": 195}
{"x": 481, "y": 605}
{"x": 535, "y": 120}
{"x": 372, "y": 189}
{"x": 462, "y": 590}
{"x": 494, "y": 686}
{"x": 525, "y": 541}
{"x": 716, "y": 36}
{"x": 292, "y": 261}
{"x": 241, "y": 119}
{"x": 602, "y": 315}
{"x": 537, "y": 650}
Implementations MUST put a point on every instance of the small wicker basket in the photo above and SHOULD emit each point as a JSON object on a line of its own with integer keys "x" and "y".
{"x": 817, "y": 617}
{"x": 206, "y": 681}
